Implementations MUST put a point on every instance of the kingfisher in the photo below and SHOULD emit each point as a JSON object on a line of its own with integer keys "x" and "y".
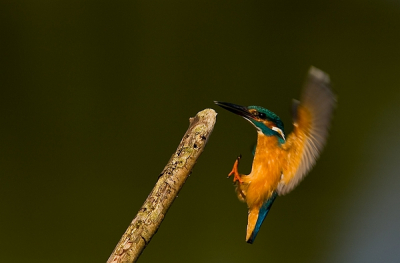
{"x": 280, "y": 163}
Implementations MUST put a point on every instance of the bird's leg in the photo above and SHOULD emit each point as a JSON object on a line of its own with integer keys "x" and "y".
{"x": 235, "y": 172}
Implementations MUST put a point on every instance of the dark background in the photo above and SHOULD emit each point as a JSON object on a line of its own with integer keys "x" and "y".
{"x": 96, "y": 95}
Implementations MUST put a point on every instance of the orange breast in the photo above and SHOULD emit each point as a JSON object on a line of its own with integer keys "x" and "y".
{"x": 266, "y": 171}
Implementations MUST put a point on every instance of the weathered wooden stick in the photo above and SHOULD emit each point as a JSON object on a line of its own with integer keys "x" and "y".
{"x": 170, "y": 181}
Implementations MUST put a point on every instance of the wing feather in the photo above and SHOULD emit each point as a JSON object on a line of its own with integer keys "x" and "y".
{"x": 312, "y": 118}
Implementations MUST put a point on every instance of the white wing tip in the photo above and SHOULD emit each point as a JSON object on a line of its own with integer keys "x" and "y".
{"x": 319, "y": 74}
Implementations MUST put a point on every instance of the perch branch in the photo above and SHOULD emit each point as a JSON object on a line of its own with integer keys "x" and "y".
{"x": 170, "y": 181}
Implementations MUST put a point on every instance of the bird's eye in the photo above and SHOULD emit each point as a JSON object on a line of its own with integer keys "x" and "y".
{"x": 262, "y": 115}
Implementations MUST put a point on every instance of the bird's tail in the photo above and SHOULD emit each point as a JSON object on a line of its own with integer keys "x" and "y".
{"x": 256, "y": 218}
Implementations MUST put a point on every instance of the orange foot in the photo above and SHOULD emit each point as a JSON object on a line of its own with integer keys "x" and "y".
{"x": 234, "y": 172}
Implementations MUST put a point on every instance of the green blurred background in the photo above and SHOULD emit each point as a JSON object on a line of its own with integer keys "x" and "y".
{"x": 96, "y": 95}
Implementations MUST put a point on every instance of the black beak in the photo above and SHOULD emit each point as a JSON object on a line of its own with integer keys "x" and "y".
{"x": 237, "y": 109}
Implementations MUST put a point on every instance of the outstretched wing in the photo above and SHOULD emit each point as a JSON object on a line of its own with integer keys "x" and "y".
{"x": 311, "y": 120}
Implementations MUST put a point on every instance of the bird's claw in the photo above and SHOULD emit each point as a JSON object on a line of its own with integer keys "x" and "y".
{"x": 235, "y": 172}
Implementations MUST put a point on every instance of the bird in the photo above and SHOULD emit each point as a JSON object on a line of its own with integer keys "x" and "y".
{"x": 280, "y": 163}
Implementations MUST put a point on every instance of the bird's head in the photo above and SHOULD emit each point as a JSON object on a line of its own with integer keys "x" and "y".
{"x": 264, "y": 120}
